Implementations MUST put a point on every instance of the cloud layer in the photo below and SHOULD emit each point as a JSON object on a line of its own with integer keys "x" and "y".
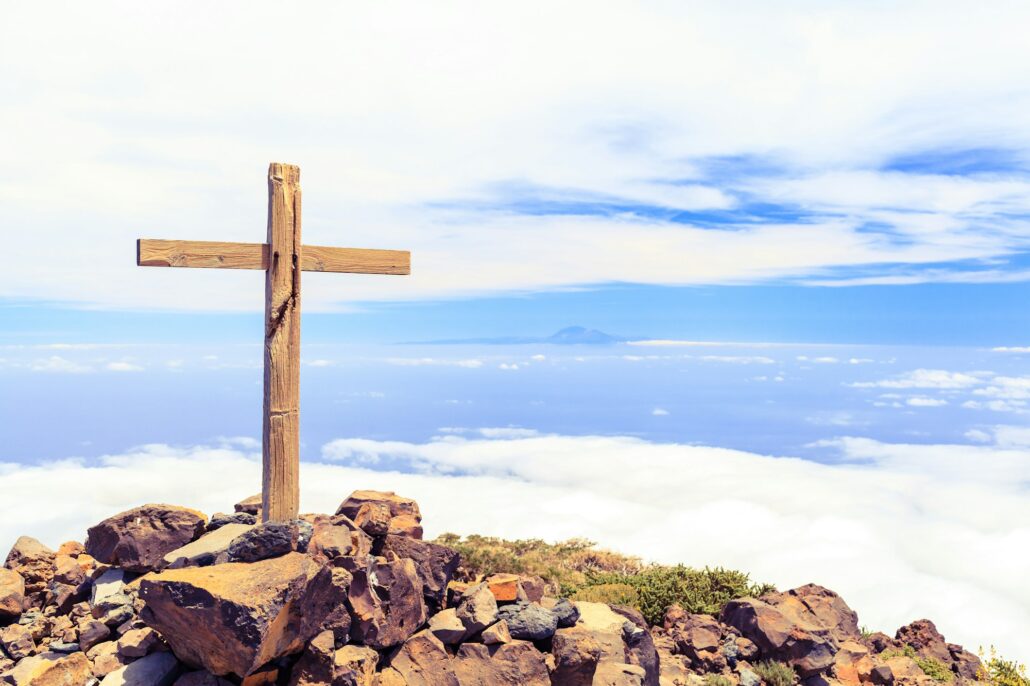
{"x": 629, "y": 142}
{"x": 902, "y": 531}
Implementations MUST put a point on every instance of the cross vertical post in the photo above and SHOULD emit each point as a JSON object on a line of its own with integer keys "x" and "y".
{"x": 280, "y": 451}
{"x": 283, "y": 258}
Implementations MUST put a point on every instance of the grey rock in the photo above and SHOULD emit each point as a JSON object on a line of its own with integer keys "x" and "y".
{"x": 529, "y": 621}
{"x": 304, "y": 533}
{"x": 156, "y": 669}
{"x": 63, "y": 647}
{"x": 264, "y": 541}
{"x": 477, "y": 608}
{"x": 207, "y": 549}
{"x": 107, "y": 591}
{"x": 566, "y": 612}
{"x": 220, "y": 519}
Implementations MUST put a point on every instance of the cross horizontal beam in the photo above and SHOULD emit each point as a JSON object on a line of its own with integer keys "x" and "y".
{"x": 313, "y": 258}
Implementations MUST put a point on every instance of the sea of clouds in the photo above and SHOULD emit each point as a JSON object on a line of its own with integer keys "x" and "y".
{"x": 902, "y": 531}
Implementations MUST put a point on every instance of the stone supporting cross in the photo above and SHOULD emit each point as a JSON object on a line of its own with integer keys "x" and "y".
{"x": 283, "y": 258}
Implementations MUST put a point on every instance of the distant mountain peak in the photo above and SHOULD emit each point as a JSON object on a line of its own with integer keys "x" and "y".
{"x": 580, "y": 334}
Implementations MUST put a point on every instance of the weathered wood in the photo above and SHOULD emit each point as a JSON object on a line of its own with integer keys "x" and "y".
{"x": 314, "y": 258}
{"x": 281, "y": 430}
{"x": 283, "y": 258}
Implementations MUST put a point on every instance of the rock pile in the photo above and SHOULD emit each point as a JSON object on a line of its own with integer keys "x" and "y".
{"x": 162, "y": 596}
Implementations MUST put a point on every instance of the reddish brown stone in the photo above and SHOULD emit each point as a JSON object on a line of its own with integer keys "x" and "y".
{"x": 236, "y": 617}
{"x": 138, "y": 540}
{"x": 12, "y": 593}
{"x": 386, "y": 602}
{"x": 34, "y": 561}
{"x": 436, "y": 565}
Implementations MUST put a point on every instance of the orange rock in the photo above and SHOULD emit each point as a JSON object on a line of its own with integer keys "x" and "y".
{"x": 34, "y": 561}
{"x": 505, "y": 587}
{"x": 73, "y": 548}
{"x": 12, "y": 593}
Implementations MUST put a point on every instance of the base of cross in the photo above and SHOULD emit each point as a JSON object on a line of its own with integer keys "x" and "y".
{"x": 283, "y": 258}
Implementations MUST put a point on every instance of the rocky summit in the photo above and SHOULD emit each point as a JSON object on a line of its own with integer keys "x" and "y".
{"x": 162, "y": 596}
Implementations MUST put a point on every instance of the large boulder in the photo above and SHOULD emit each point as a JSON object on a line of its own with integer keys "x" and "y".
{"x": 477, "y": 609}
{"x": 50, "y": 669}
{"x": 405, "y": 517}
{"x": 12, "y": 594}
{"x": 138, "y": 540}
{"x": 803, "y": 627}
{"x": 235, "y": 617}
{"x": 339, "y": 541}
{"x": 529, "y": 621}
{"x": 386, "y": 602}
{"x": 34, "y": 562}
{"x": 210, "y": 548}
{"x": 595, "y": 639}
{"x": 436, "y": 565}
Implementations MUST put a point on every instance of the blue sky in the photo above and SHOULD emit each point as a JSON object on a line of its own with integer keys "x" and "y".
{"x": 810, "y": 221}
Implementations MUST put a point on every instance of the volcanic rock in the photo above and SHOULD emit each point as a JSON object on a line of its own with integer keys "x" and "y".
{"x": 157, "y": 669}
{"x": 436, "y": 565}
{"x": 529, "y": 621}
{"x": 263, "y": 541}
{"x": 566, "y": 612}
{"x": 105, "y": 658}
{"x": 17, "y": 641}
{"x": 201, "y": 678}
{"x": 339, "y": 541}
{"x": 138, "y": 642}
{"x": 92, "y": 632}
{"x": 138, "y": 540}
{"x": 12, "y": 593}
{"x": 386, "y": 602}
{"x": 235, "y": 617}
{"x": 405, "y": 517}
{"x": 619, "y": 674}
{"x": 496, "y": 633}
{"x": 251, "y": 505}
{"x": 220, "y": 519}
{"x": 477, "y": 609}
{"x": 34, "y": 561}
{"x": 446, "y": 626}
{"x": 50, "y": 669}
{"x": 210, "y": 548}
{"x": 802, "y": 627}
{"x": 508, "y": 664}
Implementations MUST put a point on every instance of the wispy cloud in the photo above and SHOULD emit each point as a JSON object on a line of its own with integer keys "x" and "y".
{"x": 910, "y": 168}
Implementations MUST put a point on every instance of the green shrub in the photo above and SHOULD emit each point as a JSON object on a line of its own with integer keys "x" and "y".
{"x": 775, "y": 673}
{"x": 703, "y": 591}
{"x": 573, "y": 568}
{"x": 717, "y": 680}
{"x": 905, "y": 651}
{"x": 612, "y": 594}
{"x": 998, "y": 671}
{"x": 935, "y": 669}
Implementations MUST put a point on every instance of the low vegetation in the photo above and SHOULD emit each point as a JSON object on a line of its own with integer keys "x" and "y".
{"x": 932, "y": 667}
{"x": 577, "y": 569}
{"x": 775, "y": 673}
{"x": 998, "y": 671}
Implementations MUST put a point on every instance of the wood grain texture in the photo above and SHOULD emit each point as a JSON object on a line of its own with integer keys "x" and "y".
{"x": 281, "y": 423}
{"x": 314, "y": 258}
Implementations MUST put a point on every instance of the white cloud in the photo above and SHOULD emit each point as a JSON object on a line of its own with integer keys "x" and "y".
{"x": 122, "y": 367}
{"x": 881, "y": 527}
{"x": 1014, "y": 349}
{"x": 59, "y": 365}
{"x": 925, "y": 378}
{"x": 508, "y": 366}
{"x": 922, "y": 401}
{"x": 738, "y": 359}
{"x": 436, "y": 161}
{"x": 434, "y": 362}
{"x": 660, "y": 412}
{"x": 860, "y": 360}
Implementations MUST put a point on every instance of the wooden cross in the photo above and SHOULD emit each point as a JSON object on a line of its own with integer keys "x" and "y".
{"x": 283, "y": 258}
